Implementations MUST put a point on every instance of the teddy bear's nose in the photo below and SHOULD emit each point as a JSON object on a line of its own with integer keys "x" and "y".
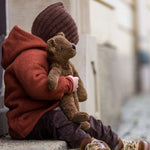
{"x": 73, "y": 46}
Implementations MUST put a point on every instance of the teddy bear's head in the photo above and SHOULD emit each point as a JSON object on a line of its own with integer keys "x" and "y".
{"x": 59, "y": 49}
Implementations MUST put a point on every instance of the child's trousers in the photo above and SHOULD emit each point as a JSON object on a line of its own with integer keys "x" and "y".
{"x": 55, "y": 125}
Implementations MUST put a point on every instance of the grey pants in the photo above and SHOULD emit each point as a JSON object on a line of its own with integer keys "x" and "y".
{"x": 55, "y": 125}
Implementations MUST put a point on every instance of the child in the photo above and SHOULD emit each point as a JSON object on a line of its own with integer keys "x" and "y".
{"x": 34, "y": 111}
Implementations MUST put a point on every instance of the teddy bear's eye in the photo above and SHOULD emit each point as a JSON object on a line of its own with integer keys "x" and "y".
{"x": 61, "y": 48}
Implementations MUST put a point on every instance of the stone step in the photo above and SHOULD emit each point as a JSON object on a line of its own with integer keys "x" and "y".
{"x": 6, "y": 143}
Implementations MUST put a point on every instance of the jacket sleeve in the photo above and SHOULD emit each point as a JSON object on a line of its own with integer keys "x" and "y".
{"x": 32, "y": 72}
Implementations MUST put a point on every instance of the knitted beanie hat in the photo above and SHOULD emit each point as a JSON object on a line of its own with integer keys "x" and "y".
{"x": 55, "y": 19}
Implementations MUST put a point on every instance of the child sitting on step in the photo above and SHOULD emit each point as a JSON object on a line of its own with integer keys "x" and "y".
{"x": 33, "y": 109}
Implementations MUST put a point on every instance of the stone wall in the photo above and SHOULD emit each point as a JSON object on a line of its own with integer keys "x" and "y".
{"x": 22, "y": 13}
{"x": 110, "y": 85}
{"x": 112, "y": 25}
{"x": 87, "y": 65}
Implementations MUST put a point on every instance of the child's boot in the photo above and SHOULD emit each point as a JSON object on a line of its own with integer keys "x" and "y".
{"x": 93, "y": 144}
{"x": 132, "y": 145}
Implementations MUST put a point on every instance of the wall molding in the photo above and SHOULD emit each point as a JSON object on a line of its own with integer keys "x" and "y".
{"x": 105, "y": 3}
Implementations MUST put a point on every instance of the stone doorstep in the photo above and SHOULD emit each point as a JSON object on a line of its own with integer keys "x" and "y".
{"x": 6, "y": 143}
{"x": 3, "y": 121}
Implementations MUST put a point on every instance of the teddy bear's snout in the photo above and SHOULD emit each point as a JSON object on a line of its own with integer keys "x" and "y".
{"x": 74, "y": 47}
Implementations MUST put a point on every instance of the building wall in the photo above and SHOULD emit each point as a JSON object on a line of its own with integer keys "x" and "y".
{"x": 148, "y": 17}
{"x": 116, "y": 27}
{"x": 22, "y": 12}
{"x": 112, "y": 23}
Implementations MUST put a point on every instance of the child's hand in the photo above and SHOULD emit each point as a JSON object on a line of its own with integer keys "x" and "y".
{"x": 75, "y": 81}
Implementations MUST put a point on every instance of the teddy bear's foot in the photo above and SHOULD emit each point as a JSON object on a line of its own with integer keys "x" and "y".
{"x": 85, "y": 125}
{"x": 80, "y": 117}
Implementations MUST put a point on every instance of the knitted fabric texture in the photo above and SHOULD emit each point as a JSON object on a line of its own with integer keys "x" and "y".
{"x": 52, "y": 20}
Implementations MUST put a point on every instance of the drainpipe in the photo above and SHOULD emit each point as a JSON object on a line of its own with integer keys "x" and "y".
{"x": 143, "y": 67}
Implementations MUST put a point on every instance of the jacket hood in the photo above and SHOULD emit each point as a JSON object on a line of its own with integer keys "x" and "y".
{"x": 17, "y": 42}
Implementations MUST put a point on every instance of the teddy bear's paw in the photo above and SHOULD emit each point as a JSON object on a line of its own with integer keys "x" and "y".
{"x": 80, "y": 117}
{"x": 82, "y": 95}
{"x": 85, "y": 125}
{"x": 51, "y": 85}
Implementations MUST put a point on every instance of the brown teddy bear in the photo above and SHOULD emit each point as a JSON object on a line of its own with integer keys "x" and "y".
{"x": 59, "y": 51}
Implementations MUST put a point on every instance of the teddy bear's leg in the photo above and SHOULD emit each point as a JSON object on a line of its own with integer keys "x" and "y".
{"x": 76, "y": 100}
{"x": 69, "y": 108}
{"x": 85, "y": 125}
{"x": 80, "y": 117}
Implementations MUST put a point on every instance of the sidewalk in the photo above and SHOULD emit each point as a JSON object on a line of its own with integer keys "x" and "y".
{"x": 135, "y": 120}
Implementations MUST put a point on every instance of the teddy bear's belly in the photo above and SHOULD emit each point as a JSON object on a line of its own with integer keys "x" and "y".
{"x": 67, "y": 71}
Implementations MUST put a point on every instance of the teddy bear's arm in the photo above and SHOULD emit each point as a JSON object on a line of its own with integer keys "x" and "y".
{"x": 82, "y": 94}
{"x": 53, "y": 76}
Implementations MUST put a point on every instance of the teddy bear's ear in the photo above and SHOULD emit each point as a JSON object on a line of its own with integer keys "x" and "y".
{"x": 61, "y": 33}
{"x": 51, "y": 46}
{"x": 51, "y": 42}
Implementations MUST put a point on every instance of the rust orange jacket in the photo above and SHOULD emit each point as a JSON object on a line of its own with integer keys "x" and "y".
{"x": 24, "y": 59}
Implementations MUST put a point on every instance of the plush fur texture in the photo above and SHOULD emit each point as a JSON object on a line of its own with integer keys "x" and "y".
{"x": 59, "y": 51}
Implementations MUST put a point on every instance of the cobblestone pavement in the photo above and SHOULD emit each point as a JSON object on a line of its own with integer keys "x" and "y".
{"x": 135, "y": 120}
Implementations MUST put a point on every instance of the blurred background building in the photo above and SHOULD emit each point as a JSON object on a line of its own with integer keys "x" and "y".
{"x": 113, "y": 51}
